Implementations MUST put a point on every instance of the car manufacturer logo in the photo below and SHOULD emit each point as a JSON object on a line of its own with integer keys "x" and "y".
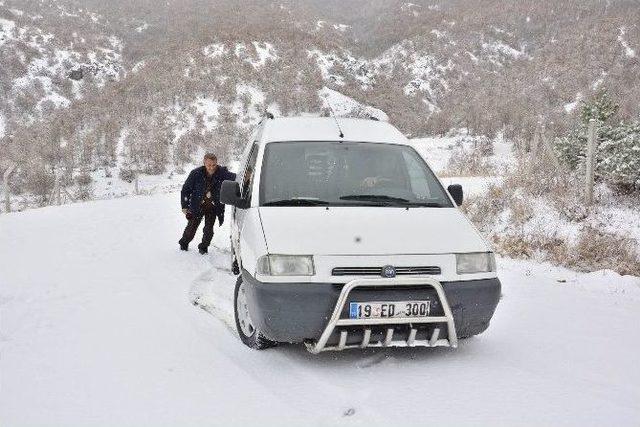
{"x": 388, "y": 271}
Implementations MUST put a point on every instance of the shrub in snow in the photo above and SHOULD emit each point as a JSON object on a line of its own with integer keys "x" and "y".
{"x": 483, "y": 144}
{"x": 468, "y": 162}
{"x": 18, "y": 182}
{"x": 470, "y": 157}
{"x": 532, "y": 212}
{"x": 155, "y": 166}
{"x": 546, "y": 247}
{"x": 539, "y": 177}
{"x": 127, "y": 174}
{"x": 184, "y": 148}
{"x": 83, "y": 180}
{"x": 601, "y": 250}
{"x": 84, "y": 190}
{"x": 618, "y": 145}
{"x": 484, "y": 211}
{"x": 40, "y": 183}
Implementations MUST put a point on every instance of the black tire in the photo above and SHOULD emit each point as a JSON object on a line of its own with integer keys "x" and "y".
{"x": 254, "y": 339}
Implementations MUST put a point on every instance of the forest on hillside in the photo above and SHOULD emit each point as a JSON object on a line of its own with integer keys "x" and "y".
{"x": 141, "y": 87}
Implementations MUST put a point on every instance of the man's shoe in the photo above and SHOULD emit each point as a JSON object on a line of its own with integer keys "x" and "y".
{"x": 183, "y": 246}
{"x": 203, "y": 251}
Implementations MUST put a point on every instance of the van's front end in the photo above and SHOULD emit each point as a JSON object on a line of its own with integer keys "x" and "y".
{"x": 381, "y": 270}
{"x": 357, "y": 244}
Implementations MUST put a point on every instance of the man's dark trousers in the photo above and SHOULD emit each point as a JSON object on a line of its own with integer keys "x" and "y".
{"x": 209, "y": 215}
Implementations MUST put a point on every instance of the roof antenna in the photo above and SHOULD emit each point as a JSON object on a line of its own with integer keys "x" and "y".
{"x": 333, "y": 114}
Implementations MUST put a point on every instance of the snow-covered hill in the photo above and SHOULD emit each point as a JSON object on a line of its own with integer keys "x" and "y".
{"x": 163, "y": 80}
{"x": 52, "y": 56}
{"x": 99, "y": 328}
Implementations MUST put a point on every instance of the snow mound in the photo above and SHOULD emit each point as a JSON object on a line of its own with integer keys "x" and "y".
{"x": 343, "y": 105}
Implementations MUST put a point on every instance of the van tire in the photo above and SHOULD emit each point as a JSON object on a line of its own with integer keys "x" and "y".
{"x": 253, "y": 339}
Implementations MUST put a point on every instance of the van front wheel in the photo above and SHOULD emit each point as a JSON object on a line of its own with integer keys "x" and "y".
{"x": 249, "y": 334}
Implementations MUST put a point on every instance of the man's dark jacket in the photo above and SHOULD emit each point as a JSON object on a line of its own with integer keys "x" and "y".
{"x": 194, "y": 189}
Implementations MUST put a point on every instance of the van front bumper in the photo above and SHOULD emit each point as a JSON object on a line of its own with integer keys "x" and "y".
{"x": 298, "y": 312}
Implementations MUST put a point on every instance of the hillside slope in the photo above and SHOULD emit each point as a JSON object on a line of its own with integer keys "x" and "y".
{"x": 83, "y": 82}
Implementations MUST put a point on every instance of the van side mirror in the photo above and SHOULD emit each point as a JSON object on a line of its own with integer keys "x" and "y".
{"x": 230, "y": 194}
{"x": 456, "y": 192}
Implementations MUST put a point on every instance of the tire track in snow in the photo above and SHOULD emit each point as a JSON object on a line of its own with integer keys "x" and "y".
{"x": 212, "y": 291}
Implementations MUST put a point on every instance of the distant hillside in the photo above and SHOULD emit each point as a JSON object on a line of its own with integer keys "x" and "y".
{"x": 141, "y": 86}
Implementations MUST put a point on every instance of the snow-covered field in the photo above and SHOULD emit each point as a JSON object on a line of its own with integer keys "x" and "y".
{"x": 98, "y": 328}
{"x": 437, "y": 152}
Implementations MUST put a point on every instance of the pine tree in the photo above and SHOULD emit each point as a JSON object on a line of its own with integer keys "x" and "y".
{"x": 617, "y": 145}
{"x": 602, "y": 108}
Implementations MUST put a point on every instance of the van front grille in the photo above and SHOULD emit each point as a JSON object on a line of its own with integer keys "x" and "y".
{"x": 377, "y": 271}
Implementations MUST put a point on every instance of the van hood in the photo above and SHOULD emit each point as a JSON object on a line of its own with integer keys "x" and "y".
{"x": 341, "y": 230}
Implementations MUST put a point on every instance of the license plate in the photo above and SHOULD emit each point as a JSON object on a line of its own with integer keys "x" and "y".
{"x": 377, "y": 310}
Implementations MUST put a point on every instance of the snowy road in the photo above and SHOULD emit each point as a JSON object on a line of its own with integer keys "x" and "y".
{"x": 98, "y": 328}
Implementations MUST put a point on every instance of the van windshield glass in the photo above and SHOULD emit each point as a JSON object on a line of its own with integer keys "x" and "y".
{"x": 347, "y": 174}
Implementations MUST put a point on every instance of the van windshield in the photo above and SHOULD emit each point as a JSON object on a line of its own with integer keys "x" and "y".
{"x": 347, "y": 174}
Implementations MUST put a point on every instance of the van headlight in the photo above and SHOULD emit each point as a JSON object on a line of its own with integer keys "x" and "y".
{"x": 285, "y": 265}
{"x": 476, "y": 262}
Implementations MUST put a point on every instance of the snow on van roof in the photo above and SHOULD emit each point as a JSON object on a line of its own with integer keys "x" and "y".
{"x": 325, "y": 129}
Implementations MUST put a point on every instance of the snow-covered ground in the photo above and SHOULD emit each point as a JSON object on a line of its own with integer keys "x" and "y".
{"x": 438, "y": 150}
{"x": 98, "y": 328}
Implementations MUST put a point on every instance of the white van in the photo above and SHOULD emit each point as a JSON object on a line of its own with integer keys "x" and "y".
{"x": 343, "y": 237}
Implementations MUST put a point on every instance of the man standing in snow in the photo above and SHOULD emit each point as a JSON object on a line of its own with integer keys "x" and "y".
{"x": 200, "y": 197}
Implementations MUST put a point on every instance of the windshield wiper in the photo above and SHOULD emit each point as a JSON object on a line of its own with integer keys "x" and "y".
{"x": 425, "y": 204}
{"x": 296, "y": 202}
{"x": 374, "y": 197}
{"x": 389, "y": 200}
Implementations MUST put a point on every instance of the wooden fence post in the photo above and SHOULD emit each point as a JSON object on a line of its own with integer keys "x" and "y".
{"x": 136, "y": 185}
{"x": 58, "y": 195}
{"x": 54, "y": 198}
{"x": 7, "y": 192}
{"x": 591, "y": 162}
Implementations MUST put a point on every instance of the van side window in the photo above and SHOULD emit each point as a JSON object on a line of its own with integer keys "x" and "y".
{"x": 247, "y": 178}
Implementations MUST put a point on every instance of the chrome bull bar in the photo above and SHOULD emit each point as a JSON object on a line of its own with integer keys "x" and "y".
{"x": 434, "y": 341}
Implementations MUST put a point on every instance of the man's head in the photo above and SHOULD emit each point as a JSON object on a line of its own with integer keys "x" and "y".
{"x": 210, "y": 162}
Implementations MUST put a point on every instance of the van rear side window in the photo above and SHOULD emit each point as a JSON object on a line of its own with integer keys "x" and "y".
{"x": 347, "y": 174}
